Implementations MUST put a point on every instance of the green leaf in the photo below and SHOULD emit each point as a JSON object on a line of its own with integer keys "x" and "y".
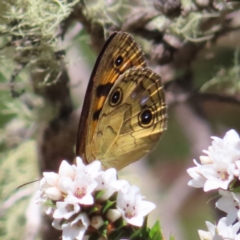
{"x": 104, "y": 232}
{"x": 108, "y": 205}
{"x": 157, "y": 236}
{"x": 236, "y": 190}
{"x": 119, "y": 233}
{"x": 93, "y": 210}
{"x": 137, "y": 234}
{"x": 172, "y": 237}
{"x": 155, "y": 229}
{"x": 156, "y": 232}
{"x": 231, "y": 185}
{"x": 119, "y": 224}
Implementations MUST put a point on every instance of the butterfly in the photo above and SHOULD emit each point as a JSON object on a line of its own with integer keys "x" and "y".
{"x": 124, "y": 111}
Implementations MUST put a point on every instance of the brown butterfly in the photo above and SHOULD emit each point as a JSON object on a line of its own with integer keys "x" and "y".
{"x": 124, "y": 111}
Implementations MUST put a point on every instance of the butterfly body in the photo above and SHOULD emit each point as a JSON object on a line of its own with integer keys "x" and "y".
{"x": 124, "y": 111}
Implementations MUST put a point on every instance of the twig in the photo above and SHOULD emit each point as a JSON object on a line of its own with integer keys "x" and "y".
{"x": 173, "y": 98}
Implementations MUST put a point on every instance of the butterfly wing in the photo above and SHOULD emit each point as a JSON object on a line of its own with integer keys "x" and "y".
{"x": 131, "y": 121}
{"x": 119, "y": 54}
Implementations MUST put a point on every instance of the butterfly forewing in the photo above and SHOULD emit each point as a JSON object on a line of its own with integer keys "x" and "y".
{"x": 119, "y": 54}
{"x": 124, "y": 111}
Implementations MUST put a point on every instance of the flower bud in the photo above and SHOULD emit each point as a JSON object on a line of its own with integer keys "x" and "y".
{"x": 66, "y": 170}
{"x": 51, "y": 178}
{"x": 113, "y": 215}
{"x": 205, "y": 160}
{"x": 97, "y": 222}
{"x": 53, "y": 193}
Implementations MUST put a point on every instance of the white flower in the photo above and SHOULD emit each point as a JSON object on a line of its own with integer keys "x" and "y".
{"x": 218, "y": 175}
{"x": 132, "y": 207}
{"x": 49, "y": 185}
{"x": 211, "y": 176}
{"x": 42, "y": 198}
{"x": 84, "y": 184}
{"x": 65, "y": 170}
{"x": 229, "y": 203}
{"x": 75, "y": 229}
{"x": 226, "y": 149}
{"x": 231, "y": 143}
{"x": 91, "y": 169}
{"x": 65, "y": 210}
{"x": 221, "y": 165}
{"x": 107, "y": 181}
{"x": 220, "y": 232}
{"x": 80, "y": 190}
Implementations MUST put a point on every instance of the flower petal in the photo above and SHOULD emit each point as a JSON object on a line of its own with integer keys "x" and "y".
{"x": 66, "y": 170}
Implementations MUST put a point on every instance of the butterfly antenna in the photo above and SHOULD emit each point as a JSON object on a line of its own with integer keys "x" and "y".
{"x": 27, "y": 183}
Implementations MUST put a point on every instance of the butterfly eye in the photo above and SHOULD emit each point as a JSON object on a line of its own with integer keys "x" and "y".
{"x": 116, "y": 97}
{"x": 118, "y": 61}
{"x": 145, "y": 118}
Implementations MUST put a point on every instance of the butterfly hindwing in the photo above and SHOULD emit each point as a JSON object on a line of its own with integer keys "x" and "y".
{"x": 132, "y": 119}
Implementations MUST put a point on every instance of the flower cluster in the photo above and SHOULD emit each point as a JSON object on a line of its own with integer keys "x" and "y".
{"x": 220, "y": 232}
{"x": 220, "y": 167}
{"x": 85, "y": 199}
{"x": 220, "y": 170}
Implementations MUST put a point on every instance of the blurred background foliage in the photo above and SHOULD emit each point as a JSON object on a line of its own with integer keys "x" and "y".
{"x": 47, "y": 51}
